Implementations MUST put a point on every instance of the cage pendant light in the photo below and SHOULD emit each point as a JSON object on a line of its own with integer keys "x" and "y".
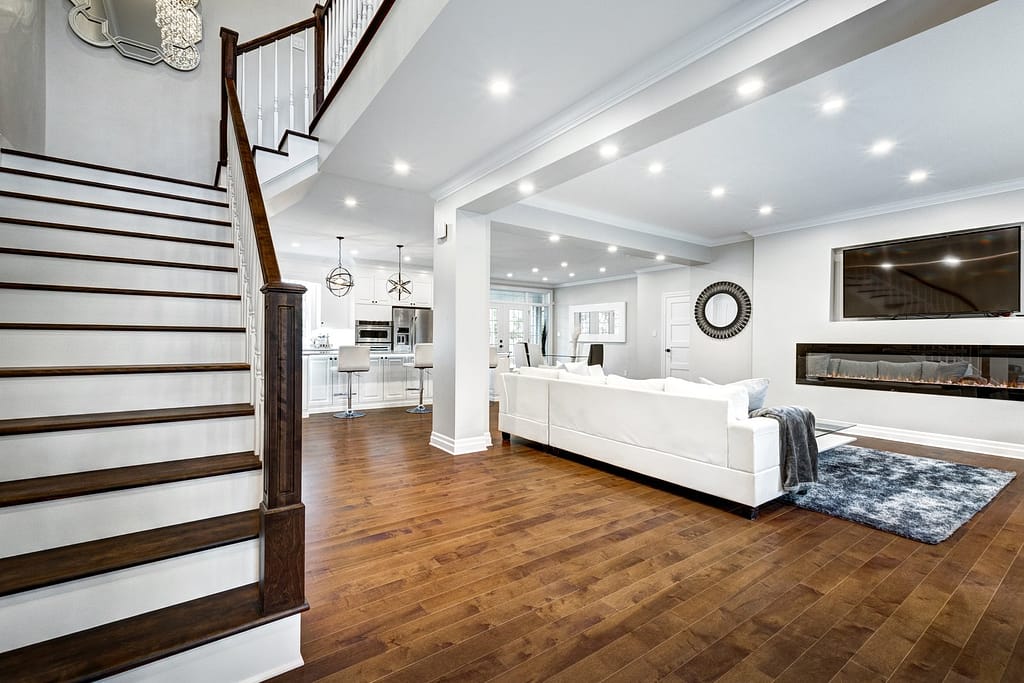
{"x": 399, "y": 287}
{"x": 340, "y": 280}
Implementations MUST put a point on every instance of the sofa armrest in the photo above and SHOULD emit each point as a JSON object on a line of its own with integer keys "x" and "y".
{"x": 754, "y": 444}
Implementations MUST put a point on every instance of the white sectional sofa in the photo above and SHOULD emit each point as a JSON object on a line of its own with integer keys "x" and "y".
{"x": 699, "y": 438}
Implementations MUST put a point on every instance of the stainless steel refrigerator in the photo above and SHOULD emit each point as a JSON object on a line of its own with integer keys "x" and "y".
{"x": 411, "y": 326}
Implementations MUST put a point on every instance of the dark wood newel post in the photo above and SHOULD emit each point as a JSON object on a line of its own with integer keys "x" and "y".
{"x": 228, "y": 53}
{"x": 319, "y": 30}
{"x": 282, "y": 514}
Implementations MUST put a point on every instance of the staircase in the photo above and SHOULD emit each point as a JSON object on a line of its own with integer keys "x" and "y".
{"x": 136, "y": 534}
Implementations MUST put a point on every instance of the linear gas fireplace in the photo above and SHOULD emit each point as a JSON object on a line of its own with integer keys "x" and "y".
{"x": 976, "y": 371}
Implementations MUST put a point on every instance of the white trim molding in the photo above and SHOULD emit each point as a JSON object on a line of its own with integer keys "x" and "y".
{"x": 1004, "y": 449}
{"x": 473, "y": 444}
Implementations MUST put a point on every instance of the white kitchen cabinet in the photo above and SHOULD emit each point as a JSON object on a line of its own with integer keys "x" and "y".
{"x": 320, "y": 379}
{"x": 388, "y": 383}
{"x": 370, "y": 385}
{"x": 394, "y": 374}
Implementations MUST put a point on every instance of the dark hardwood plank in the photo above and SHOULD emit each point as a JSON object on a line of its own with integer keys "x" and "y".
{"x": 519, "y": 564}
{"x": 116, "y": 290}
{"x": 24, "y": 491}
{"x": 111, "y": 186}
{"x": 112, "y": 207}
{"x": 121, "y": 645}
{"x": 67, "y": 563}
{"x": 60, "y": 423}
{"x": 115, "y": 259}
{"x": 98, "y": 167}
{"x": 72, "y": 371}
{"x": 116, "y": 233}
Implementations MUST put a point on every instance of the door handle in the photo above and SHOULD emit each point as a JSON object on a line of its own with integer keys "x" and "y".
{"x": 668, "y": 350}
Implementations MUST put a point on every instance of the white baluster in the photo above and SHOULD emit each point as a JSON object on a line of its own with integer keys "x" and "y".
{"x": 291, "y": 82}
{"x": 277, "y": 121}
{"x": 259, "y": 96}
{"x": 307, "y": 108}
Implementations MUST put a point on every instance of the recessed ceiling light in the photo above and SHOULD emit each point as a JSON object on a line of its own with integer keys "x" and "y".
{"x": 535, "y": 270}
{"x": 407, "y": 259}
{"x": 351, "y": 202}
{"x": 612, "y": 248}
{"x": 659, "y": 257}
{"x": 833, "y": 105}
{"x": 526, "y": 187}
{"x": 765, "y": 210}
{"x": 717, "y": 191}
{"x": 655, "y": 168}
{"x": 544, "y": 279}
{"x": 750, "y": 87}
{"x": 401, "y": 167}
{"x": 882, "y": 147}
{"x": 500, "y": 86}
{"x": 509, "y": 274}
{"x": 565, "y": 263}
{"x": 608, "y": 151}
{"x": 572, "y": 274}
{"x": 296, "y": 245}
{"x": 553, "y": 238}
{"x": 602, "y": 269}
{"x": 918, "y": 176}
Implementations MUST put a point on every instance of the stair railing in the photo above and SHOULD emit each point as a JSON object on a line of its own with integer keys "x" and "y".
{"x": 272, "y": 317}
{"x": 286, "y": 79}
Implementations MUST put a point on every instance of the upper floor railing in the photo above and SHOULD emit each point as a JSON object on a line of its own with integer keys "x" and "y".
{"x": 286, "y": 79}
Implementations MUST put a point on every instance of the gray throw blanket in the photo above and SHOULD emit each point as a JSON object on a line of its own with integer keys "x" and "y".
{"x": 798, "y": 451}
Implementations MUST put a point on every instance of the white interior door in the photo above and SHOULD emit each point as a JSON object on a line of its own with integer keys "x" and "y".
{"x": 675, "y": 323}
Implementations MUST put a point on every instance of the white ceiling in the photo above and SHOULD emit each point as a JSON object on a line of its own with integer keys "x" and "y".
{"x": 949, "y": 97}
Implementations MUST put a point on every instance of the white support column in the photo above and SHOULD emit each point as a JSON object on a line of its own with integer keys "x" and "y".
{"x": 462, "y": 281}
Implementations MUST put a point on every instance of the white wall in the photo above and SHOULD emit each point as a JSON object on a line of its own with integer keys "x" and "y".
{"x": 726, "y": 360}
{"x": 619, "y": 358}
{"x": 22, "y": 74}
{"x": 649, "y": 349}
{"x": 792, "y": 282}
{"x": 108, "y": 109}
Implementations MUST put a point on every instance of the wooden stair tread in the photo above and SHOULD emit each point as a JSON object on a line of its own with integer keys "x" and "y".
{"x": 112, "y": 169}
{"x": 115, "y": 259}
{"x": 59, "y": 423}
{"x": 68, "y": 563}
{"x": 121, "y": 645}
{"x": 116, "y": 290}
{"x": 97, "y": 327}
{"x": 114, "y": 232}
{"x": 112, "y": 186}
{"x": 112, "y": 207}
{"x": 38, "y": 489}
{"x": 67, "y": 371}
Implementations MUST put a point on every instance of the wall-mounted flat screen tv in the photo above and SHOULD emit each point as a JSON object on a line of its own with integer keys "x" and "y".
{"x": 975, "y": 272}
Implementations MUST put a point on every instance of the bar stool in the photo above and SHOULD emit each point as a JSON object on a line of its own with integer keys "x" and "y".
{"x": 352, "y": 359}
{"x": 423, "y": 359}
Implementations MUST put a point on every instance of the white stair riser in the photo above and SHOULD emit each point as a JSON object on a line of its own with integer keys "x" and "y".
{"x": 81, "y": 450}
{"x": 73, "y": 241}
{"x": 40, "y": 306}
{"x": 61, "y": 271}
{"x": 51, "y": 524}
{"x": 119, "y": 220}
{"x": 110, "y": 177}
{"x": 21, "y": 348}
{"x": 45, "y": 396}
{"x": 98, "y": 195}
{"x": 251, "y": 656}
{"x": 73, "y": 606}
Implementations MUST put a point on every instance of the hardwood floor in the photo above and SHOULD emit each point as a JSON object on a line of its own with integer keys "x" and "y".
{"x": 520, "y": 565}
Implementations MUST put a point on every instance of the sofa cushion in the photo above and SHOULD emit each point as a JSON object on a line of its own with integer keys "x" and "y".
{"x": 546, "y": 373}
{"x": 567, "y": 376}
{"x": 656, "y": 384}
{"x": 757, "y": 390}
{"x": 734, "y": 394}
{"x": 595, "y": 371}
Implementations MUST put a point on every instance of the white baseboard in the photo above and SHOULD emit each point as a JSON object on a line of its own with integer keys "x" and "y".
{"x": 473, "y": 444}
{"x": 960, "y": 443}
{"x": 248, "y": 657}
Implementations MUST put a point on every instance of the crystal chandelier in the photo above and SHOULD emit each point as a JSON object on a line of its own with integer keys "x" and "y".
{"x": 340, "y": 280}
{"x": 399, "y": 287}
{"x": 181, "y": 28}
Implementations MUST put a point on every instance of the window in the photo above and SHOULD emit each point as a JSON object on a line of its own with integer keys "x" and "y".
{"x": 492, "y": 326}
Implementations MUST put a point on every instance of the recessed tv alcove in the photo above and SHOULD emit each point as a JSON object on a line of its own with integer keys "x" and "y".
{"x": 974, "y": 371}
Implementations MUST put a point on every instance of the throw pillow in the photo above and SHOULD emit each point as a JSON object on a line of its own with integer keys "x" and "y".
{"x": 595, "y": 371}
{"x": 643, "y": 384}
{"x": 757, "y": 390}
{"x": 546, "y": 373}
{"x": 734, "y": 394}
{"x": 577, "y": 368}
{"x": 582, "y": 379}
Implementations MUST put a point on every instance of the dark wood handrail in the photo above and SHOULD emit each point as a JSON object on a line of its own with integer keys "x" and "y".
{"x": 253, "y": 193}
{"x": 350, "y": 64}
{"x": 277, "y": 35}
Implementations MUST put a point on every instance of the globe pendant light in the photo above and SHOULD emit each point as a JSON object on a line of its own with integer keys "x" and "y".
{"x": 398, "y": 287}
{"x": 340, "y": 280}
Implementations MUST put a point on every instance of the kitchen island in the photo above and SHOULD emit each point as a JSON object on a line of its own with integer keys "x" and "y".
{"x": 388, "y": 383}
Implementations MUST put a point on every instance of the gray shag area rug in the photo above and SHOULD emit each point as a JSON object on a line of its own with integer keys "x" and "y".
{"x": 919, "y": 498}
